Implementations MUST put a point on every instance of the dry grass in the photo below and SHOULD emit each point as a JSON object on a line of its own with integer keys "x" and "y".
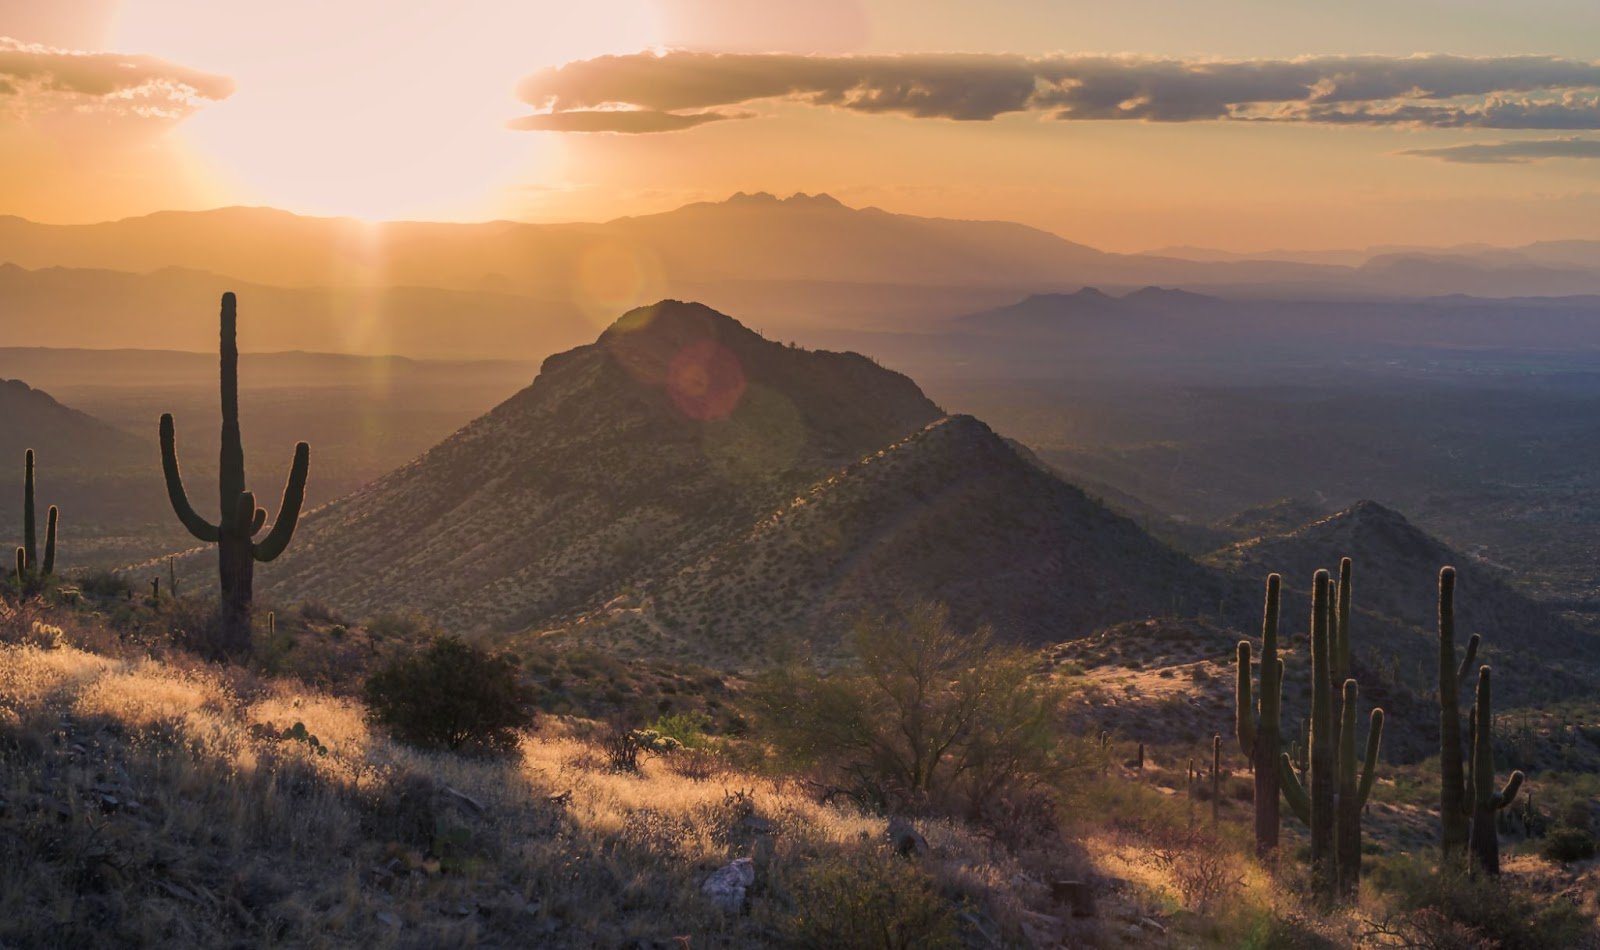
{"x": 147, "y": 809}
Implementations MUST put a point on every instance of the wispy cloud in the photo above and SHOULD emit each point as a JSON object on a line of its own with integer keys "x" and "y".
{"x": 40, "y": 78}
{"x": 1511, "y": 153}
{"x": 1507, "y": 92}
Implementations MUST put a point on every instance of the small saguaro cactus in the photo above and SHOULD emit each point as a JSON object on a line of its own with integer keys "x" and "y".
{"x": 1216, "y": 776}
{"x": 1484, "y": 840}
{"x": 240, "y": 520}
{"x": 1454, "y": 793}
{"x": 1260, "y": 732}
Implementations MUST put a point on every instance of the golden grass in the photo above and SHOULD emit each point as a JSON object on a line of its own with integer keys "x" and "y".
{"x": 237, "y": 834}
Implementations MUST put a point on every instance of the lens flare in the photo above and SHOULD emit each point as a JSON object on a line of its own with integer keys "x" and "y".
{"x": 705, "y": 380}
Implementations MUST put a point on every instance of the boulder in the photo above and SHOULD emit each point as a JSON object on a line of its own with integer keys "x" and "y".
{"x": 727, "y": 886}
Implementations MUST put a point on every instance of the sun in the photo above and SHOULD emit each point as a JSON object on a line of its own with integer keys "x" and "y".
{"x": 373, "y": 109}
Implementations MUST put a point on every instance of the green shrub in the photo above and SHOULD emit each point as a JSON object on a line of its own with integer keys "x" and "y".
{"x": 688, "y": 728}
{"x": 871, "y": 900}
{"x": 930, "y": 716}
{"x": 1566, "y": 844}
{"x": 451, "y": 695}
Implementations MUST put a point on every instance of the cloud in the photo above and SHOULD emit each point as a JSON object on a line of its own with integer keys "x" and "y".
{"x": 617, "y": 120}
{"x": 1510, "y": 92}
{"x": 1511, "y": 153}
{"x": 36, "y": 79}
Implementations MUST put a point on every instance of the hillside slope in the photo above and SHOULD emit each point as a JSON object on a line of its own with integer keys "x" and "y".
{"x": 951, "y": 514}
{"x": 676, "y": 429}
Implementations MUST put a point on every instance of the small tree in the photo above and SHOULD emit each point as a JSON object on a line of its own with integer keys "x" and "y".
{"x": 929, "y": 715}
{"x": 451, "y": 695}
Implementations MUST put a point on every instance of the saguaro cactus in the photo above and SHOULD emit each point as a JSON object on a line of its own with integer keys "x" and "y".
{"x": 240, "y": 520}
{"x": 32, "y": 569}
{"x": 1353, "y": 794}
{"x": 1454, "y": 793}
{"x": 1330, "y": 794}
{"x": 1260, "y": 736}
{"x": 1484, "y": 840}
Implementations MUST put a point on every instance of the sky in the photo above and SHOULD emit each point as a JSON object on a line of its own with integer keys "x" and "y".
{"x": 1236, "y": 124}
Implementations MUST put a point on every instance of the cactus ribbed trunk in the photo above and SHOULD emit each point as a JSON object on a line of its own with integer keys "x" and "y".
{"x": 1483, "y": 838}
{"x": 1453, "y": 808}
{"x": 1323, "y": 752}
{"x": 30, "y": 531}
{"x": 1258, "y": 723}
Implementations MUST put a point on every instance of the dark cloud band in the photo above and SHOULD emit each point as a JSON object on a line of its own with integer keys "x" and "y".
{"x": 1426, "y": 90}
{"x": 1509, "y": 153}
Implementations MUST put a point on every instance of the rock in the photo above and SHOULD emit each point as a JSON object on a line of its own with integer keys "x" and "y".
{"x": 1152, "y": 925}
{"x": 388, "y": 919}
{"x": 906, "y": 839}
{"x": 1078, "y": 895}
{"x": 727, "y": 885}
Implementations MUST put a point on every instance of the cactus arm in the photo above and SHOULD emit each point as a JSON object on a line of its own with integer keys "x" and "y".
{"x": 257, "y": 520}
{"x": 198, "y": 526}
{"x": 1341, "y": 632}
{"x": 1369, "y": 765}
{"x": 1244, "y": 712}
{"x": 294, "y": 495}
{"x": 50, "y": 541}
{"x": 1471, "y": 655}
{"x": 22, "y": 568}
{"x": 1507, "y": 794}
{"x": 1293, "y": 792}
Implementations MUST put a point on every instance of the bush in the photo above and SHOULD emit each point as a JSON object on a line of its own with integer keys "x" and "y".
{"x": 1565, "y": 844}
{"x": 1495, "y": 912}
{"x": 930, "y": 717}
{"x": 451, "y": 695}
{"x": 870, "y": 900}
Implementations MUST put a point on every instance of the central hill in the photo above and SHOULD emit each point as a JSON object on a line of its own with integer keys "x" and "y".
{"x": 687, "y": 477}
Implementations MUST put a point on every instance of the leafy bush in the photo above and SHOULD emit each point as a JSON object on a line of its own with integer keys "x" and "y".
{"x": 451, "y": 695}
{"x": 1566, "y": 844}
{"x": 930, "y": 717}
{"x": 870, "y": 900}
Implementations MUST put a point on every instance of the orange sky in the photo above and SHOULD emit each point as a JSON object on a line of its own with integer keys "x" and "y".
{"x": 383, "y": 110}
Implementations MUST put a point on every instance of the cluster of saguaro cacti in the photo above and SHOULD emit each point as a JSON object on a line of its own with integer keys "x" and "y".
{"x": 1467, "y": 796}
{"x": 1258, "y": 723}
{"x": 1330, "y": 796}
{"x": 30, "y": 569}
{"x": 240, "y": 519}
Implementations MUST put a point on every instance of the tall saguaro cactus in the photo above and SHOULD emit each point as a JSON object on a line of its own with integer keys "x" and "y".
{"x": 30, "y": 568}
{"x": 240, "y": 520}
{"x": 1331, "y": 793}
{"x": 1353, "y": 793}
{"x": 1260, "y": 736}
{"x": 1454, "y": 793}
{"x": 1484, "y": 839}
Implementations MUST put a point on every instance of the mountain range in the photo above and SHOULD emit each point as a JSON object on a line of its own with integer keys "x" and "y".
{"x": 514, "y": 289}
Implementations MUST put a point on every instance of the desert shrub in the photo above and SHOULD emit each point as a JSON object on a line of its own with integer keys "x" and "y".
{"x": 1565, "y": 844}
{"x": 872, "y": 900}
{"x": 104, "y": 585}
{"x": 408, "y": 626}
{"x": 1493, "y": 911}
{"x": 688, "y": 728}
{"x": 451, "y": 695}
{"x": 929, "y": 716}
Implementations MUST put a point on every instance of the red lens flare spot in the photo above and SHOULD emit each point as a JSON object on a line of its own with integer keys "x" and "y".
{"x": 705, "y": 380}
